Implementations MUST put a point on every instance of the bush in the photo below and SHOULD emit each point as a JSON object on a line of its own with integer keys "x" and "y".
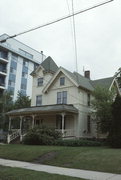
{"x": 114, "y": 137}
{"x": 114, "y": 140}
{"x": 41, "y": 136}
{"x": 77, "y": 142}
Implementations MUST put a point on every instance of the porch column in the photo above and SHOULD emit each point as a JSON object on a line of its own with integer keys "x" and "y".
{"x": 21, "y": 117}
{"x": 33, "y": 121}
{"x": 9, "y": 128}
{"x": 63, "y": 122}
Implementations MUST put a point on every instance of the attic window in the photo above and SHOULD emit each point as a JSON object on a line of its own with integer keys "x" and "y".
{"x": 62, "y": 81}
{"x": 40, "y": 81}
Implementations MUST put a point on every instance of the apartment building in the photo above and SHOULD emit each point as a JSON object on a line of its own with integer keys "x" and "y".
{"x": 17, "y": 61}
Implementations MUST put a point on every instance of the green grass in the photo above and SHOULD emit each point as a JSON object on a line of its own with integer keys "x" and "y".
{"x": 7, "y": 173}
{"x": 90, "y": 158}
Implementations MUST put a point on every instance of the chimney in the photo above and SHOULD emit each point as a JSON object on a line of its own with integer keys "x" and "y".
{"x": 42, "y": 55}
{"x": 87, "y": 74}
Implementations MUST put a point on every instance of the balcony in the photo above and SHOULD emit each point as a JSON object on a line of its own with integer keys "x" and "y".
{"x": 2, "y": 85}
{"x": 3, "y": 60}
{"x": 3, "y": 72}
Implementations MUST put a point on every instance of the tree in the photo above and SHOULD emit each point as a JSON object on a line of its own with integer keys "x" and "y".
{"x": 22, "y": 101}
{"x": 6, "y": 104}
{"x": 114, "y": 137}
{"x": 101, "y": 104}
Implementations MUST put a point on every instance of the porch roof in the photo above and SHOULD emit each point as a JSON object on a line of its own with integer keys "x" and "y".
{"x": 44, "y": 109}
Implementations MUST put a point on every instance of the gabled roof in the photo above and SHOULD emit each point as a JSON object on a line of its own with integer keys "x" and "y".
{"x": 81, "y": 80}
{"x": 75, "y": 78}
{"x": 105, "y": 83}
{"x": 48, "y": 65}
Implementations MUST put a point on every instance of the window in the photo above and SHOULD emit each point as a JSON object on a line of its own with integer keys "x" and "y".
{"x": 24, "y": 75}
{"x": 23, "y": 86}
{"x": 62, "y": 81}
{"x": 62, "y": 97}
{"x": 14, "y": 57}
{"x": 88, "y": 99}
{"x": 88, "y": 124}
{"x": 25, "y": 63}
{"x": 39, "y": 100}
{"x": 4, "y": 54}
{"x": 40, "y": 81}
{"x": 58, "y": 97}
{"x": 11, "y": 83}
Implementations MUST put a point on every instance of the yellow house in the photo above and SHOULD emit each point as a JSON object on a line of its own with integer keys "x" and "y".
{"x": 60, "y": 99}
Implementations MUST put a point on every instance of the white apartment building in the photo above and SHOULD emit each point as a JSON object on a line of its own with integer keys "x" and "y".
{"x": 17, "y": 61}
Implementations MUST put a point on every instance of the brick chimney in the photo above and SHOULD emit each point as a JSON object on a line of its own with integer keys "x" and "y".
{"x": 87, "y": 74}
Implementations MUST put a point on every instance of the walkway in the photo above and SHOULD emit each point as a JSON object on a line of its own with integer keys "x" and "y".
{"x": 90, "y": 175}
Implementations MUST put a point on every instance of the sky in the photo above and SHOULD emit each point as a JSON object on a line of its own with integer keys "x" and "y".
{"x": 98, "y": 32}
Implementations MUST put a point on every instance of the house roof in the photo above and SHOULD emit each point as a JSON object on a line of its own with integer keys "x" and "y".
{"x": 105, "y": 83}
{"x": 49, "y": 65}
{"x": 43, "y": 109}
{"x": 81, "y": 80}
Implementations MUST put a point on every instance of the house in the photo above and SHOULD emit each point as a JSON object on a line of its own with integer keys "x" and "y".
{"x": 60, "y": 99}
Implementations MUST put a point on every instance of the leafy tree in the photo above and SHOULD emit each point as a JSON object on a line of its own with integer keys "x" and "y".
{"x": 114, "y": 137}
{"x": 22, "y": 101}
{"x": 103, "y": 99}
{"x": 6, "y": 104}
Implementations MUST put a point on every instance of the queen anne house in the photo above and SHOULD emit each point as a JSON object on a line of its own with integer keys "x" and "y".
{"x": 60, "y": 99}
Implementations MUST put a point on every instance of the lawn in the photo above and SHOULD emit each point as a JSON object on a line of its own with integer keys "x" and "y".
{"x": 90, "y": 158}
{"x": 7, "y": 173}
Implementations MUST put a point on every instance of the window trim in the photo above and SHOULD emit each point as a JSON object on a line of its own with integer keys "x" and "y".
{"x": 63, "y": 97}
{"x": 62, "y": 81}
{"x": 39, "y": 104}
{"x": 41, "y": 82}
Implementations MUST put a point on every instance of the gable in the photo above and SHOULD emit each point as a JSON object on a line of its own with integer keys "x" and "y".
{"x": 55, "y": 84}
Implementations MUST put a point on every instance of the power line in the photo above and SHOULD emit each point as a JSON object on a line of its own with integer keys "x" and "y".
{"x": 57, "y": 20}
{"x": 75, "y": 42}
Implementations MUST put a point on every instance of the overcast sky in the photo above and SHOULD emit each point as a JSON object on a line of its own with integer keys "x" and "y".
{"x": 98, "y": 32}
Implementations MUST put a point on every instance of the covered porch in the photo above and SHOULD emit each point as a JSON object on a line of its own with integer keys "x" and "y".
{"x": 61, "y": 117}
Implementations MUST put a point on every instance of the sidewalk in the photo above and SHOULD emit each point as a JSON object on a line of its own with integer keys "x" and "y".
{"x": 90, "y": 175}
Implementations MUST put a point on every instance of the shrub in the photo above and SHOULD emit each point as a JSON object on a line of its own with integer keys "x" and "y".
{"x": 77, "y": 142}
{"x": 114, "y": 137}
{"x": 41, "y": 136}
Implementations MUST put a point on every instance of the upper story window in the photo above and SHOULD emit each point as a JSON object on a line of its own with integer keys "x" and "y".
{"x": 25, "y": 63}
{"x": 35, "y": 66}
{"x": 88, "y": 99}
{"x": 39, "y": 81}
{"x": 24, "y": 75}
{"x": 39, "y": 100}
{"x": 14, "y": 57}
{"x": 62, "y": 97}
{"x": 62, "y": 81}
{"x": 4, "y": 54}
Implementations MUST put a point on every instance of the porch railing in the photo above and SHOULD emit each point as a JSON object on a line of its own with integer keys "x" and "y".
{"x": 13, "y": 135}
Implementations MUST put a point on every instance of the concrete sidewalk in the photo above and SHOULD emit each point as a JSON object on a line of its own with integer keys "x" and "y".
{"x": 90, "y": 175}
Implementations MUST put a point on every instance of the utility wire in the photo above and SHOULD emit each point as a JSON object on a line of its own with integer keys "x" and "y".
{"x": 71, "y": 24}
{"x": 75, "y": 42}
{"x": 57, "y": 20}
